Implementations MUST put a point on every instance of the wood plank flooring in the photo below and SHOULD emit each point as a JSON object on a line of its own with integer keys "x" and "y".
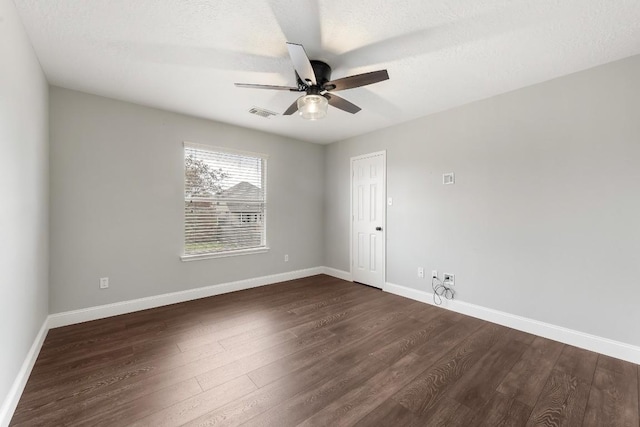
{"x": 318, "y": 351}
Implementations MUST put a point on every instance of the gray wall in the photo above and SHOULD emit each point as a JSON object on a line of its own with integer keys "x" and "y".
{"x": 117, "y": 194}
{"x": 24, "y": 192}
{"x": 544, "y": 218}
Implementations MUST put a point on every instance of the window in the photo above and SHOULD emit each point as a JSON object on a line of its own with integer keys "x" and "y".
{"x": 224, "y": 202}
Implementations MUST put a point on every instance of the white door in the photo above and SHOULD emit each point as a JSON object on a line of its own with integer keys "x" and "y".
{"x": 368, "y": 219}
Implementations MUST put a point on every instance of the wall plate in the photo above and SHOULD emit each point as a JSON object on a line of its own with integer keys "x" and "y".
{"x": 448, "y": 178}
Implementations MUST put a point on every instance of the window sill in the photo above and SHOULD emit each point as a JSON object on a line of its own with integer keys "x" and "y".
{"x": 198, "y": 257}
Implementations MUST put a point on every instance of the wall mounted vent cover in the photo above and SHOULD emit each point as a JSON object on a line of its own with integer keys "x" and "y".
{"x": 262, "y": 112}
{"x": 448, "y": 178}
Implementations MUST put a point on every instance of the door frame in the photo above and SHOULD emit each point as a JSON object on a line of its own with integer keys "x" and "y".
{"x": 382, "y": 153}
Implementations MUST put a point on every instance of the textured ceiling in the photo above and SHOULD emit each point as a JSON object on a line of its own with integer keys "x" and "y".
{"x": 185, "y": 55}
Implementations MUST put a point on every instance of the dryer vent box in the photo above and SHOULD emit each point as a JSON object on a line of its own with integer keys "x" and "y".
{"x": 448, "y": 178}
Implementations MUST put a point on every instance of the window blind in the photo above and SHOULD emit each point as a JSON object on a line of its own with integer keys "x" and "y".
{"x": 225, "y": 200}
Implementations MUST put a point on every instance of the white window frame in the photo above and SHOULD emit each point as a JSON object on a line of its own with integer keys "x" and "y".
{"x": 227, "y": 253}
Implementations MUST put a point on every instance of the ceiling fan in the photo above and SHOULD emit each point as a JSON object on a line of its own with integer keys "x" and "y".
{"x": 314, "y": 78}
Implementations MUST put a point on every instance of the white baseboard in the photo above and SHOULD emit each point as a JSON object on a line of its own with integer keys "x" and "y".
{"x": 344, "y": 275}
{"x": 13, "y": 397}
{"x": 590, "y": 342}
{"x": 124, "y": 307}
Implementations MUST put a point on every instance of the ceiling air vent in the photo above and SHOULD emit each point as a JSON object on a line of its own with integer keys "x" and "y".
{"x": 262, "y": 112}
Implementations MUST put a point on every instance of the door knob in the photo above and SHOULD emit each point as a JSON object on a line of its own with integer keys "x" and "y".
{"x": 378, "y": 228}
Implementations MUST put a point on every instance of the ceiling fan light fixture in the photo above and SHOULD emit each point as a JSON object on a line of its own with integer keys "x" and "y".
{"x": 313, "y": 107}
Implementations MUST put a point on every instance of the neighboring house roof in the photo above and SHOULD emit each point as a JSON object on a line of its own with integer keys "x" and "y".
{"x": 243, "y": 191}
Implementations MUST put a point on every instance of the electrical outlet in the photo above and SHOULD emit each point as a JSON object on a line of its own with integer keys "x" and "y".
{"x": 421, "y": 272}
{"x": 434, "y": 274}
{"x": 449, "y": 278}
{"x": 286, "y": 258}
{"x": 104, "y": 282}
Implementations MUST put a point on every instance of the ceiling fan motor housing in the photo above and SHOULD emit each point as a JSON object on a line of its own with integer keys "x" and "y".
{"x": 322, "y": 71}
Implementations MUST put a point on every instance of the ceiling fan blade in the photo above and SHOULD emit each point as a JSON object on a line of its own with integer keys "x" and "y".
{"x": 301, "y": 63}
{"x": 341, "y": 103}
{"x": 357, "y": 80}
{"x": 252, "y": 86}
{"x": 292, "y": 109}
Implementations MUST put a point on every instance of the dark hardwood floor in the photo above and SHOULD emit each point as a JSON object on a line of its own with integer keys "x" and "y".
{"x": 318, "y": 352}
